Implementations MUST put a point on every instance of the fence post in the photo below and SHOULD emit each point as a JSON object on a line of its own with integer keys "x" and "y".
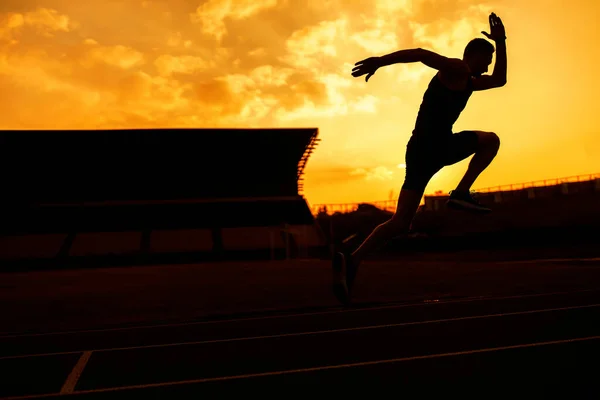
{"x": 272, "y": 244}
{"x": 332, "y": 240}
{"x": 287, "y": 242}
{"x": 305, "y": 239}
{"x": 498, "y": 197}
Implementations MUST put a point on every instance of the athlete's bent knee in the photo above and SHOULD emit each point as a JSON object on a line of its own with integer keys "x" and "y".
{"x": 494, "y": 140}
{"x": 489, "y": 140}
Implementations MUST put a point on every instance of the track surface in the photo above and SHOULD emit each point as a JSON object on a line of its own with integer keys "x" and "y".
{"x": 487, "y": 329}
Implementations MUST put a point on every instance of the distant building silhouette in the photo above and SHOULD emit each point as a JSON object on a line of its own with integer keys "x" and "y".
{"x": 570, "y": 202}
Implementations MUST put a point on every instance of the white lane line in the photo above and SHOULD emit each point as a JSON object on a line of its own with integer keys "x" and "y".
{"x": 309, "y": 333}
{"x": 323, "y": 368}
{"x": 422, "y": 303}
{"x": 550, "y": 260}
{"x": 73, "y": 378}
{"x": 365, "y": 363}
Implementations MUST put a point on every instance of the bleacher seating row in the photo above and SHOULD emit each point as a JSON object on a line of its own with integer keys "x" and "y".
{"x": 159, "y": 215}
{"x": 301, "y": 239}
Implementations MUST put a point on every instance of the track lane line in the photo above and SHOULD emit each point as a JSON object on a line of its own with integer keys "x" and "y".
{"x": 315, "y": 369}
{"x": 73, "y": 378}
{"x": 308, "y": 333}
{"x": 422, "y": 303}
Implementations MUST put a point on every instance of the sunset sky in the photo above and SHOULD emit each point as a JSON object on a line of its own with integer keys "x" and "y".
{"x": 91, "y": 64}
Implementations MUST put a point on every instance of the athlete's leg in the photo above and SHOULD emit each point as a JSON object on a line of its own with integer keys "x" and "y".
{"x": 399, "y": 224}
{"x": 488, "y": 144}
{"x": 422, "y": 162}
{"x": 460, "y": 146}
{"x": 421, "y": 165}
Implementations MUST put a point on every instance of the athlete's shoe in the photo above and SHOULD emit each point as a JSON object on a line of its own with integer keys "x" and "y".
{"x": 465, "y": 201}
{"x": 340, "y": 285}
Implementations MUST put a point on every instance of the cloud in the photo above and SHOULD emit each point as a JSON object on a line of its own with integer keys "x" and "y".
{"x": 412, "y": 73}
{"x": 380, "y": 173}
{"x": 376, "y": 39}
{"x": 211, "y": 15}
{"x": 275, "y": 62}
{"x": 238, "y": 83}
{"x": 48, "y": 21}
{"x": 258, "y": 108}
{"x": 259, "y": 52}
{"x": 449, "y": 37}
{"x": 332, "y": 100}
{"x": 308, "y": 46}
{"x": 304, "y": 95}
{"x": 168, "y": 64}
{"x": 432, "y": 11}
{"x": 177, "y": 40}
{"x": 367, "y": 104}
{"x": 118, "y": 56}
{"x": 43, "y": 21}
{"x": 447, "y": 26}
{"x": 268, "y": 75}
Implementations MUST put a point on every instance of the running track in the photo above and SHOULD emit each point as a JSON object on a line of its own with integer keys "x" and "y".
{"x": 518, "y": 329}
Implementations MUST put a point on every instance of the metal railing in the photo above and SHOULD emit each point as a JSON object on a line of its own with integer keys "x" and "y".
{"x": 302, "y": 164}
{"x": 539, "y": 183}
{"x": 390, "y": 205}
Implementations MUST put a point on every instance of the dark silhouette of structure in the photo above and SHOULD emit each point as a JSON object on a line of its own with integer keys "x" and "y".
{"x": 157, "y": 194}
{"x": 558, "y": 206}
{"x": 548, "y": 215}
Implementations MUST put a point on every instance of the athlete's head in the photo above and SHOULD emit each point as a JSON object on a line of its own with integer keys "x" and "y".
{"x": 478, "y": 55}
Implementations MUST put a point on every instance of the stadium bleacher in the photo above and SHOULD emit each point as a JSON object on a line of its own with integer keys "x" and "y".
{"x": 93, "y": 193}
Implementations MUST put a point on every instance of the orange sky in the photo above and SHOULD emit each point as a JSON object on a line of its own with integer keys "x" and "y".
{"x": 286, "y": 63}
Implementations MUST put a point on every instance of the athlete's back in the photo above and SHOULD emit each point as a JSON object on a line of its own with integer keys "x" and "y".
{"x": 441, "y": 108}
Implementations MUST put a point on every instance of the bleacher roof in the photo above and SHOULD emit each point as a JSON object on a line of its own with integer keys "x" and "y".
{"x": 53, "y": 166}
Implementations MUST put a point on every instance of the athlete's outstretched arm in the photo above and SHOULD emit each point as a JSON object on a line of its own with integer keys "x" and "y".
{"x": 429, "y": 58}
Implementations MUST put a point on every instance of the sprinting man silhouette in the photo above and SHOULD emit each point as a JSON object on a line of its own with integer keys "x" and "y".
{"x": 432, "y": 144}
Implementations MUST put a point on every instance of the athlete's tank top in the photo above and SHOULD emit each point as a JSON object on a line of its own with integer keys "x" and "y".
{"x": 440, "y": 108}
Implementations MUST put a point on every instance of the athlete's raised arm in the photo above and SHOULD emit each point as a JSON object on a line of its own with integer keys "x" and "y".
{"x": 431, "y": 59}
{"x": 498, "y": 77}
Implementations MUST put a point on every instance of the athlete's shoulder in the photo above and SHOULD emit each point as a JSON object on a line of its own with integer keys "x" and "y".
{"x": 456, "y": 75}
{"x": 456, "y": 67}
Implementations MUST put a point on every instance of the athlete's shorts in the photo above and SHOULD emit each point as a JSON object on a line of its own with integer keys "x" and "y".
{"x": 426, "y": 155}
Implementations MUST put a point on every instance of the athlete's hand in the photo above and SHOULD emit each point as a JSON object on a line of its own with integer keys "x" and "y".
{"x": 497, "y": 32}
{"x": 367, "y": 66}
